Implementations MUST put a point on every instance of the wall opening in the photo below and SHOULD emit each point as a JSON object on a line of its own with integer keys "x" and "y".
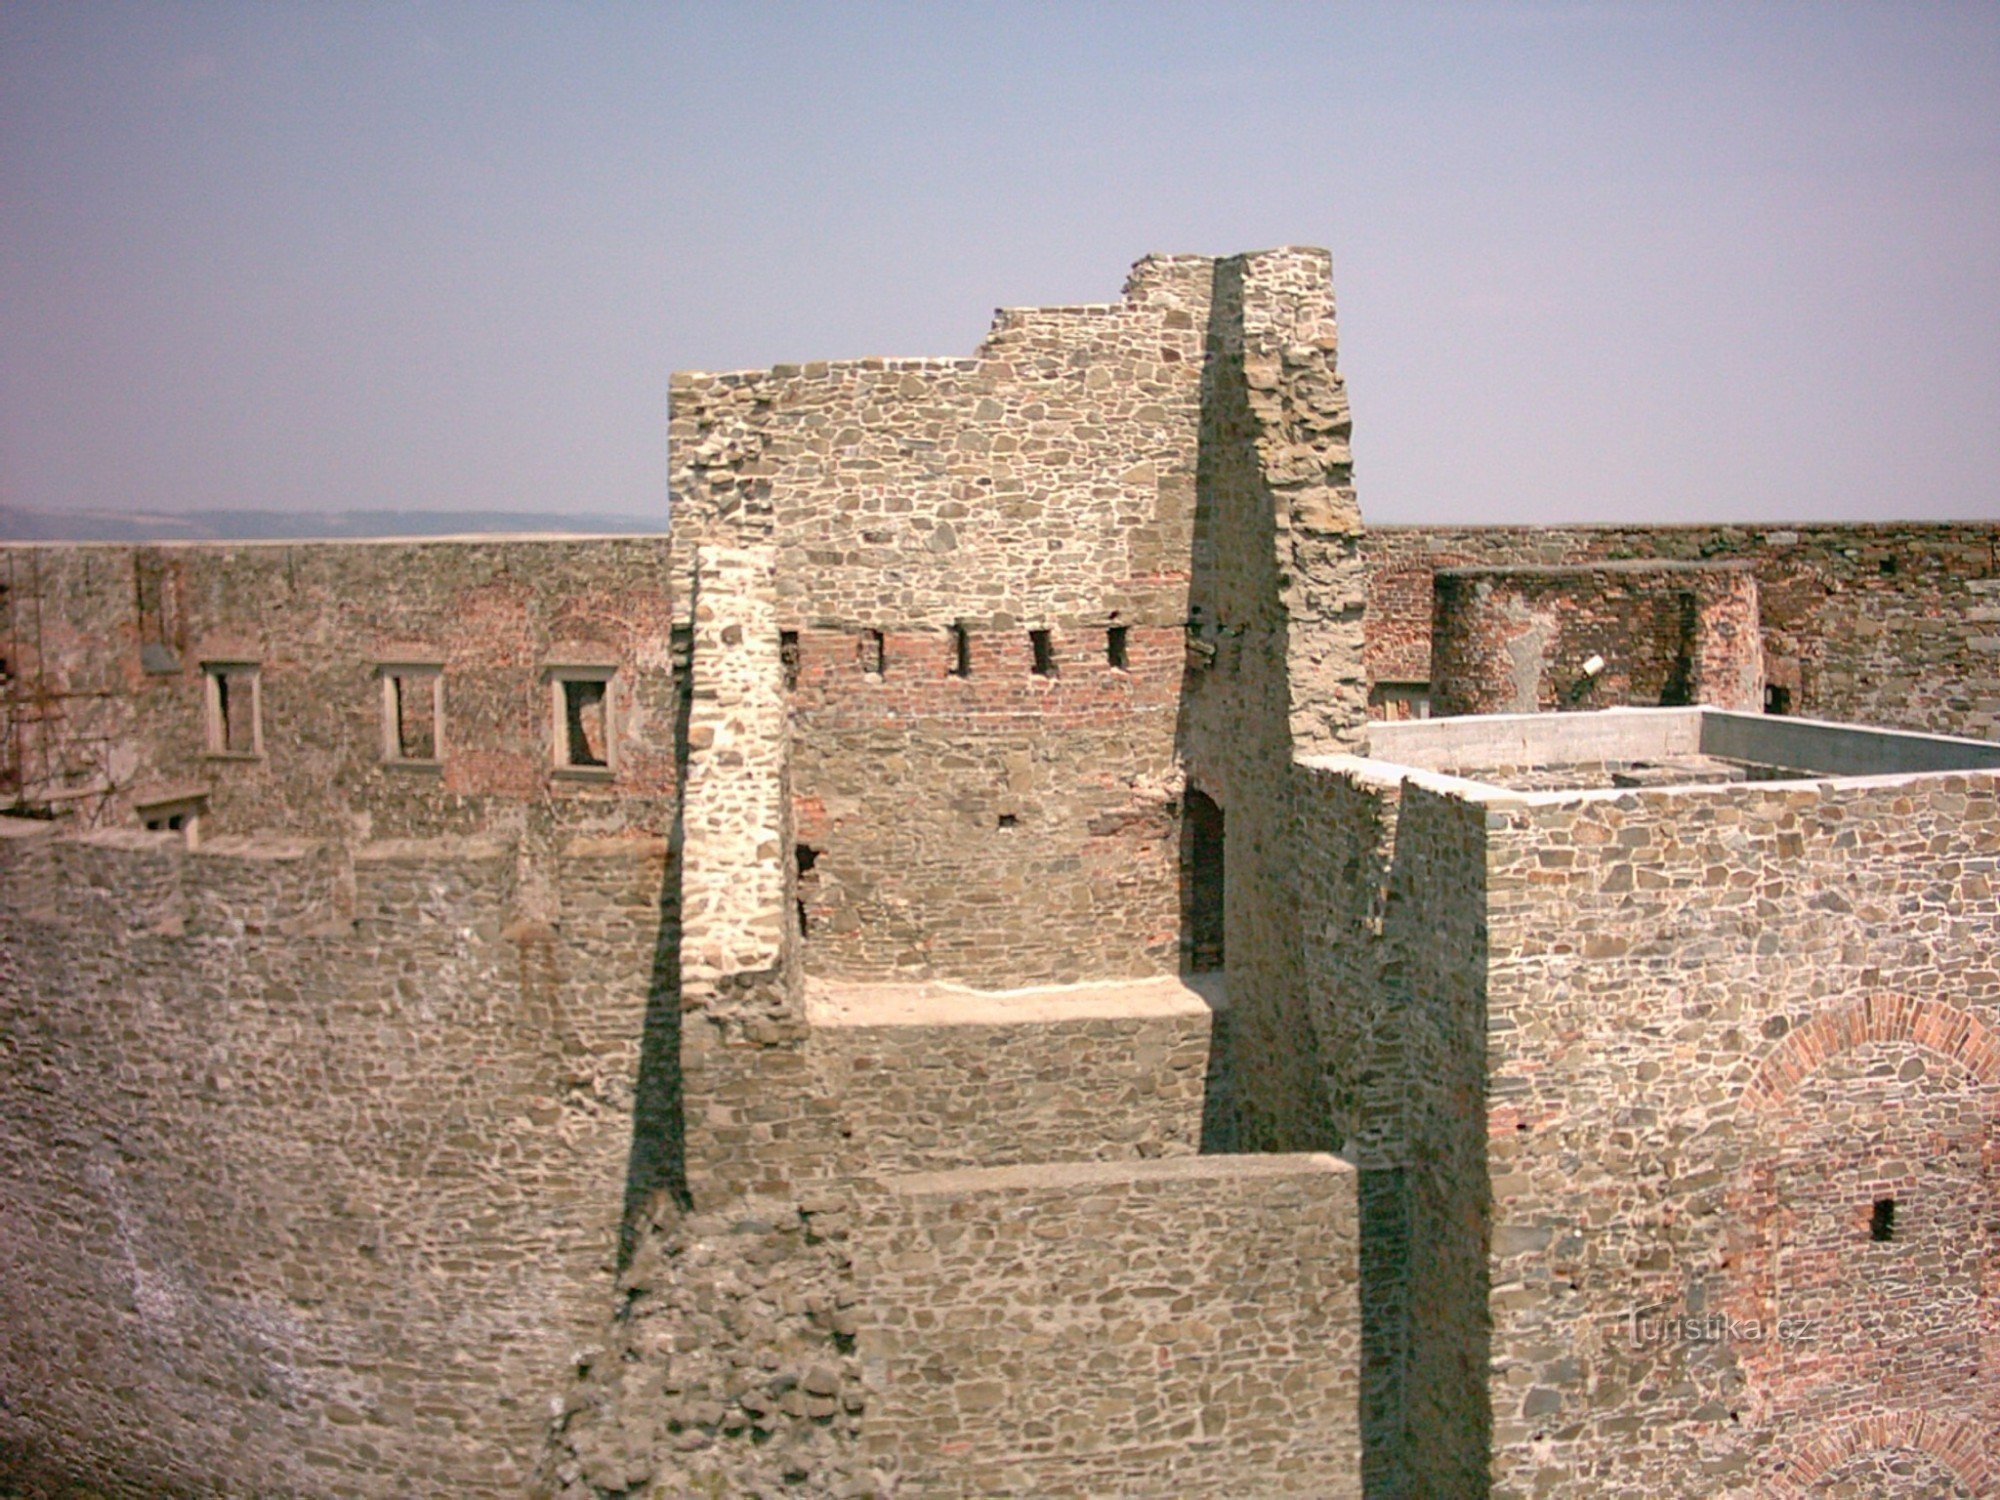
{"x": 807, "y": 859}
{"x": 235, "y": 726}
{"x": 1045, "y": 653}
{"x": 1202, "y": 884}
{"x": 1115, "y": 646}
{"x": 788, "y": 658}
{"x": 1678, "y": 689}
{"x": 180, "y": 815}
{"x": 1882, "y": 1221}
{"x": 412, "y": 714}
{"x": 583, "y": 729}
{"x": 1777, "y": 698}
{"x": 961, "y": 651}
{"x": 873, "y": 654}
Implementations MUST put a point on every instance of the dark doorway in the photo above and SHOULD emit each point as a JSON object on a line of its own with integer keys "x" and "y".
{"x": 1201, "y": 884}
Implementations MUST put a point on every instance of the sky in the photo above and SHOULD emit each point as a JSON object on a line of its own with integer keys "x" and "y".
{"x": 1593, "y": 262}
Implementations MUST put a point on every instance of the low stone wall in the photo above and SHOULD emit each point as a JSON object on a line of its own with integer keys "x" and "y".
{"x": 924, "y": 1080}
{"x": 1168, "y": 1328}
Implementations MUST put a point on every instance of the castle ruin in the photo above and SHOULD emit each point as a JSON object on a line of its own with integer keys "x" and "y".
{"x": 1019, "y": 951}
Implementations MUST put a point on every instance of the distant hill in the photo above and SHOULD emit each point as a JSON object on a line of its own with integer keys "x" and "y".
{"x": 18, "y": 524}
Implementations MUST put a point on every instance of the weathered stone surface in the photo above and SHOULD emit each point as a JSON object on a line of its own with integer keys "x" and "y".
{"x": 1115, "y": 1329}
{"x": 462, "y": 1001}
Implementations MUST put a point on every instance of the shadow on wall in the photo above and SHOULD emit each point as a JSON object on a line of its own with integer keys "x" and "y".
{"x": 1233, "y": 734}
{"x": 656, "y": 1166}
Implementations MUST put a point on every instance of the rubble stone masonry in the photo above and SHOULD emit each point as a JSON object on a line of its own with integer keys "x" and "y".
{"x": 913, "y": 987}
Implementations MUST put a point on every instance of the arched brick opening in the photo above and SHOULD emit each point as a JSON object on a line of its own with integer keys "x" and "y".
{"x": 1794, "y": 1244}
{"x": 1957, "y": 1445}
{"x": 1956, "y": 1035}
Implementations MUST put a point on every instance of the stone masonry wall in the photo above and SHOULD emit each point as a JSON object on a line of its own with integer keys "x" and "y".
{"x": 1517, "y": 640}
{"x": 313, "y": 1165}
{"x": 1046, "y": 484}
{"x": 1098, "y": 477}
{"x": 939, "y": 1081}
{"x": 1893, "y": 625}
{"x": 319, "y": 1128}
{"x": 1184, "y": 1327}
{"x": 1727, "y": 1025}
{"x": 1274, "y": 640}
{"x": 104, "y": 698}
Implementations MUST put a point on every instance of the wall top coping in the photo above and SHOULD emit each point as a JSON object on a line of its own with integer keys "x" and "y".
{"x": 262, "y": 846}
{"x": 1086, "y": 1176}
{"x": 938, "y": 1004}
{"x": 383, "y": 851}
{"x": 1775, "y": 533}
{"x": 12, "y": 827}
{"x": 1635, "y": 565}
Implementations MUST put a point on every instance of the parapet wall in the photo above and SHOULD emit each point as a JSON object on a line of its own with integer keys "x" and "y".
{"x": 923, "y": 1080}
{"x": 1748, "y": 1016}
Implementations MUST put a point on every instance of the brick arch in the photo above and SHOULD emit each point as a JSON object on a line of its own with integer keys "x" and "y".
{"x": 1959, "y": 1444}
{"x": 1955, "y": 1035}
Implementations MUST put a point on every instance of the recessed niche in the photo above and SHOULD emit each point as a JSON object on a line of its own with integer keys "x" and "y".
{"x": 1044, "y": 648}
{"x": 788, "y": 658}
{"x": 1882, "y": 1221}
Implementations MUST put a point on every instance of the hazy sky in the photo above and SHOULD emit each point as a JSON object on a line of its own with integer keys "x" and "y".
{"x": 1593, "y": 261}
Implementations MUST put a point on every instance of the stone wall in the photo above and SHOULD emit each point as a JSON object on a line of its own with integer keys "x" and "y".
{"x": 105, "y": 697}
{"x": 993, "y": 825}
{"x": 988, "y": 570}
{"x": 921, "y": 1080}
{"x": 314, "y": 1164}
{"x": 1274, "y": 641}
{"x": 1183, "y": 1327}
{"x": 1873, "y": 624}
{"x": 1522, "y": 640}
{"x": 1726, "y": 1024}
{"x": 323, "y": 1119}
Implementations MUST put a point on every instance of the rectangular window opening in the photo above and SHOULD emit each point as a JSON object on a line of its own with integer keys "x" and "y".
{"x": 961, "y": 651}
{"x": 806, "y": 857}
{"x": 1045, "y": 653}
{"x": 873, "y": 657}
{"x": 234, "y": 709}
{"x": 412, "y": 714}
{"x": 1777, "y": 699}
{"x": 1114, "y": 646}
{"x": 1882, "y": 1222}
{"x": 788, "y": 657}
{"x": 584, "y": 730}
